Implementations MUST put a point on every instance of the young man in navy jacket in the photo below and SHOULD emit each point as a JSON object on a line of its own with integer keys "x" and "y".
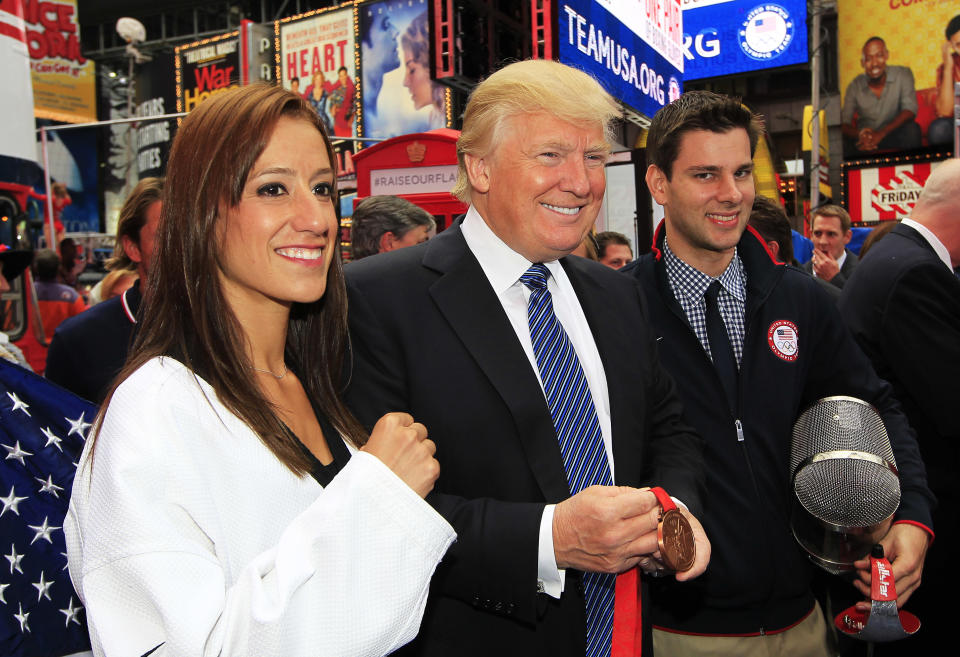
{"x": 783, "y": 347}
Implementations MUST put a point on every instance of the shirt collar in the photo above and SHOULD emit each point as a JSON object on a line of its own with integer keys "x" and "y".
{"x": 502, "y": 265}
{"x": 842, "y": 259}
{"x": 932, "y": 240}
{"x": 691, "y": 282}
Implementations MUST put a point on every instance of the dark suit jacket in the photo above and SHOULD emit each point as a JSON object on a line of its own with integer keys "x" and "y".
{"x": 845, "y": 271}
{"x": 903, "y": 307}
{"x": 430, "y": 337}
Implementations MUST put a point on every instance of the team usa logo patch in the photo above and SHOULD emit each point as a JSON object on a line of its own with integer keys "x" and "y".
{"x": 783, "y": 340}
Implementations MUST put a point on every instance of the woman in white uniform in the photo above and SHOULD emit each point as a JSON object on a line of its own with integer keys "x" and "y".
{"x": 228, "y": 503}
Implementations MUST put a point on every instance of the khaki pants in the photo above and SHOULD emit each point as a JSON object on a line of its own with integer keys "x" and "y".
{"x": 807, "y": 639}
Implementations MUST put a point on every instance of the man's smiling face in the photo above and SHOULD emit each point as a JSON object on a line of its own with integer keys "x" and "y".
{"x": 707, "y": 201}
{"x": 541, "y": 187}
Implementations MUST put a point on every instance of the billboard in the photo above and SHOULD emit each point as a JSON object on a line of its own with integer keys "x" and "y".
{"x": 881, "y": 190}
{"x": 64, "y": 82}
{"x": 722, "y": 37}
{"x": 206, "y": 67}
{"x": 317, "y": 60}
{"x": 18, "y": 148}
{"x": 398, "y": 95}
{"x": 155, "y": 95}
{"x": 636, "y": 55}
{"x": 914, "y": 35}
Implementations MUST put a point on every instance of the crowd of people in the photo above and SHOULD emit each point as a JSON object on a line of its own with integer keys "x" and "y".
{"x": 447, "y": 446}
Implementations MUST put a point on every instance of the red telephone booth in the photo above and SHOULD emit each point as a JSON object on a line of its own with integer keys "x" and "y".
{"x": 421, "y": 168}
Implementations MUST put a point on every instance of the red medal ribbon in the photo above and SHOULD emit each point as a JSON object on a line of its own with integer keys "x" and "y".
{"x": 627, "y": 640}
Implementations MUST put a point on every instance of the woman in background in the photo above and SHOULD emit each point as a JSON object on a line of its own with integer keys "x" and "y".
{"x": 415, "y": 44}
{"x": 229, "y": 504}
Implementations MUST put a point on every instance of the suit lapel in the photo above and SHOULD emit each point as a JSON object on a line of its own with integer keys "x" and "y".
{"x": 465, "y": 298}
{"x": 610, "y": 337}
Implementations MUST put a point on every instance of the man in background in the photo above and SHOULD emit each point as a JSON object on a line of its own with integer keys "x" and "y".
{"x": 88, "y": 351}
{"x": 832, "y": 261}
{"x": 903, "y": 307}
{"x": 57, "y": 301}
{"x": 883, "y": 101}
{"x": 387, "y": 223}
{"x": 769, "y": 219}
{"x": 613, "y": 249}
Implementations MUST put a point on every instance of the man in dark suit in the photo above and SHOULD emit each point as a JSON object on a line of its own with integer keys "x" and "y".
{"x": 444, "y": 331}
{"x": 903, "y": 307}
{"x": 832, "y": 262}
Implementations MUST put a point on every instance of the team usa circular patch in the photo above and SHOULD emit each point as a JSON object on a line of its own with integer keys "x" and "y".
{"x": 783, "y": 341}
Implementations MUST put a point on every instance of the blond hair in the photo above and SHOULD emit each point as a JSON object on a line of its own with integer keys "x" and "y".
{"x": 528, "y": 87}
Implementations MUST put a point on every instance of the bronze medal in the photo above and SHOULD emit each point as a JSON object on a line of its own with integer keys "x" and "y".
{"x": 678, "y": 548}
{"x": 675, "y": 538}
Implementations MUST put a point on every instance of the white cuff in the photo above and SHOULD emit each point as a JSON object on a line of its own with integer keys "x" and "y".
{"x": 550, "y": 579}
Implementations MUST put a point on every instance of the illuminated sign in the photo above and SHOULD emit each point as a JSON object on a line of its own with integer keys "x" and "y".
{"x": 721, "y": 37}
{"x": 635, "y": 55}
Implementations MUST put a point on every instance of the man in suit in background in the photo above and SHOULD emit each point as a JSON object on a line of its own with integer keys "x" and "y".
{"x": 831, "y": 262}
{"x": 469, "y": 331}
{"x": 903, "y": 307}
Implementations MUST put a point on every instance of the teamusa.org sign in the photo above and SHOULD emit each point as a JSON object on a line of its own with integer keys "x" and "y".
{"x": 637, "y": 55}
{"x": 721, "y": 37}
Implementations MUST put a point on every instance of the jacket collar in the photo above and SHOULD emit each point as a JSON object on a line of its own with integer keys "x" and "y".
{"x": 762, "y": 269}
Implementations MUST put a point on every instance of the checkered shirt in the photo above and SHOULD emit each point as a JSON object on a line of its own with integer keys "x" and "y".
{"x": 690, "y": 284}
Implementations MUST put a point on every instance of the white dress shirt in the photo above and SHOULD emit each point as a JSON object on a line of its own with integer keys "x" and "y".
{"x": 503, "y": 267}
{"x": 932, "y": 240}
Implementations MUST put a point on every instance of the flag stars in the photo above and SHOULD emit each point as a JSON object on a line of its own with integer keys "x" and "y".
{"x": 71, "y": 613}
{"x": 52, "y": 439}
{"x": 16, "y": 452}
{"x": 47, "y": 486}
{"x": 3, "y": 587}
{"x": 14, "y": 560}
{"x": 22, "y": 619}
{"x": 43, "y": 587}
{"x": 11, "y": 502}
{"x": 42, "y": 531}
{"x": 77, "y": 426}
{"x": 18, "y": 404}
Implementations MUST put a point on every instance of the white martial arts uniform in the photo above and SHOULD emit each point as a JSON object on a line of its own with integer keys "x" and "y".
{"x": 185, "y": 531}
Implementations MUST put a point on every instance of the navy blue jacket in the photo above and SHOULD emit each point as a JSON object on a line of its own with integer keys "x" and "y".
{"x": 759, "y": 578}
{"x": 89, "y": 350}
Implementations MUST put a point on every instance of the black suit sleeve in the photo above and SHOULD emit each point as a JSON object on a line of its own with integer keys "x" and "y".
{"x": 676, "y": 451}
{"x": 921, "y": 305}
{"x": 841, "y": 368}
{"x": 493, "y": 564}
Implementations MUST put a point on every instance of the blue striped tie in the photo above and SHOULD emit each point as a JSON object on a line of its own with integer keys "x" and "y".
{"x": 578, "y": 432}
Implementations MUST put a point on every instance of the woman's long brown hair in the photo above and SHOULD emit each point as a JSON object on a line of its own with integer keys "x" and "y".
{"x": 185, "y": 314}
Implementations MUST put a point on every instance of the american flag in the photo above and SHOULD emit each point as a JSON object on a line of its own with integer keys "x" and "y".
{"x": 42, "y": 429}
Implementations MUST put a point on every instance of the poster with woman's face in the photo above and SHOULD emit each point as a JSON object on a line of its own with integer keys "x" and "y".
{"x": 398, "y": 95}
{"x": 317, "y": 62}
